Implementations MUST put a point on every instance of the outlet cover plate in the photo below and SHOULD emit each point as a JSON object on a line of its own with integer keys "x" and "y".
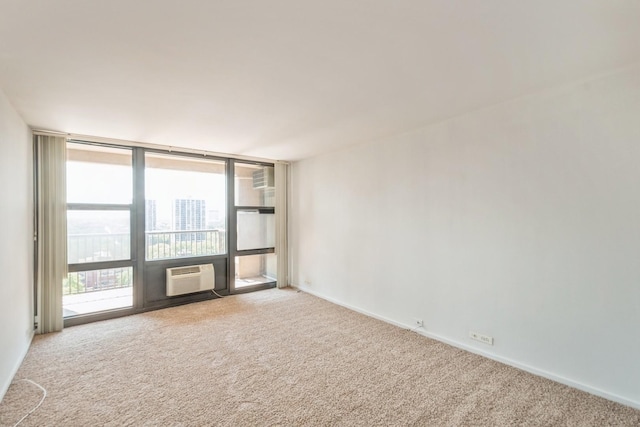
{"x": 480, "y": 337}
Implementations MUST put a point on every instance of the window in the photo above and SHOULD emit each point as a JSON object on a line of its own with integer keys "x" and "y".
{"x": 256, "y": 229}
{"x": 99, "y": 212}
{"x": 99, "y": 175}
{"x": 254, "y": 260}
{"x": 98, "y": 290}
{"x": 254, "y": 270}
{"x": 98, "y": 235}
{"x": 254, "y": 185}
{"x": 134, "y": 212}
{"x": 185, "y": 207}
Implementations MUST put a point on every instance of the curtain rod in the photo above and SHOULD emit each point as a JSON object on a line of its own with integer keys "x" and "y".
{"x": 168, "y": 148}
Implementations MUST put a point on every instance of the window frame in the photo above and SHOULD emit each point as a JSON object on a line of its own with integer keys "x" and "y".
{"x": 104, "y": 265}
{"x": 233, "y": 228}
{"x": 142, "y": 302}
{"x": 142, "y": 195}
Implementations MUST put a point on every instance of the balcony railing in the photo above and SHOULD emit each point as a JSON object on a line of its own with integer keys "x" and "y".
{"x": 180, "y": 244}
{"x": 90, "y": 248}
{"x": 83, "y": 248}
{"x": 83, "y": 282}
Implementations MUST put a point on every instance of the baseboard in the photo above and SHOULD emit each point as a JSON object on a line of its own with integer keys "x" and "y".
{"x": 14, "y": 371}
{"x": 531, "y": 369}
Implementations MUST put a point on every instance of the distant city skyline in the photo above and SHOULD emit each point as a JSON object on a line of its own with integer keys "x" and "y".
{"x": 113, "y": 184}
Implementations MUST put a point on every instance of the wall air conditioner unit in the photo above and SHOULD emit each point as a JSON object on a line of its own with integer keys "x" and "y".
{"x": 190, "y": 279}
{"x": 263, "y": 178}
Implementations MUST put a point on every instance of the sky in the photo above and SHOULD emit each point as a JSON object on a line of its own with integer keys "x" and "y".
{"x": 113, "y": 184}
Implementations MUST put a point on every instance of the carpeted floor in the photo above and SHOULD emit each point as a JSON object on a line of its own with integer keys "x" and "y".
{"x": 280, "y": 357}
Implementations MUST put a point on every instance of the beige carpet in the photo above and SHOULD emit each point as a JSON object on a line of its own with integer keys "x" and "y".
{"x": 280, "y": 357}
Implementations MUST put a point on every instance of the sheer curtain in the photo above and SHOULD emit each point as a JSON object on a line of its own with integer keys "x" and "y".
{"x": 51, "y": 232}
{"x": 282, "y": 192}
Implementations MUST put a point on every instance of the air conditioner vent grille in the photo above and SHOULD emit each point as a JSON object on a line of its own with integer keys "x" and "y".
{"x": 263, "y": 178}
{"x": 185, "y": 270}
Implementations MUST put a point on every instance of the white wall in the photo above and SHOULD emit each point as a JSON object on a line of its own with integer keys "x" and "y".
{"x": 16, "y": 242}
{"x": 520, "y": 221}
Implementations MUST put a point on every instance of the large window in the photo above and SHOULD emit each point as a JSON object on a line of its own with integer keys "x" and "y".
{"x": 185, "y": 207}
{"x": 133, "y": 213}
{"x": 255, "y": 260}
{"x": 99, "y": 212}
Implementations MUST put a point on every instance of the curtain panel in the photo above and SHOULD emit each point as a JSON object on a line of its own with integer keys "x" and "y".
{"x": 51, "y": 231}
{"x": 282, "y": 249}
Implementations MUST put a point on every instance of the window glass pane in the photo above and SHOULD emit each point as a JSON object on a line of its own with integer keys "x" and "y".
{"x": 98, "y": 236}
{"x": 256, "y": 230}
{"x": 255, "y": 269}
{"x": 254, "y": 185}
{"x": 98, "y": 174}
{"x": 97, "y": 290}
{"x": 185, "y": 206}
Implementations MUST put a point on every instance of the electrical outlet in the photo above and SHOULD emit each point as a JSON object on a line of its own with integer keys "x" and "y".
{"x": 418, "y": 323}
{"x": 482, "y": 338}
{"x": 307, "y": 281}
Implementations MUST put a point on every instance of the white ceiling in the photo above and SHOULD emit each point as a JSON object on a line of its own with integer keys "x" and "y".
{"x": 288, "y": 79}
